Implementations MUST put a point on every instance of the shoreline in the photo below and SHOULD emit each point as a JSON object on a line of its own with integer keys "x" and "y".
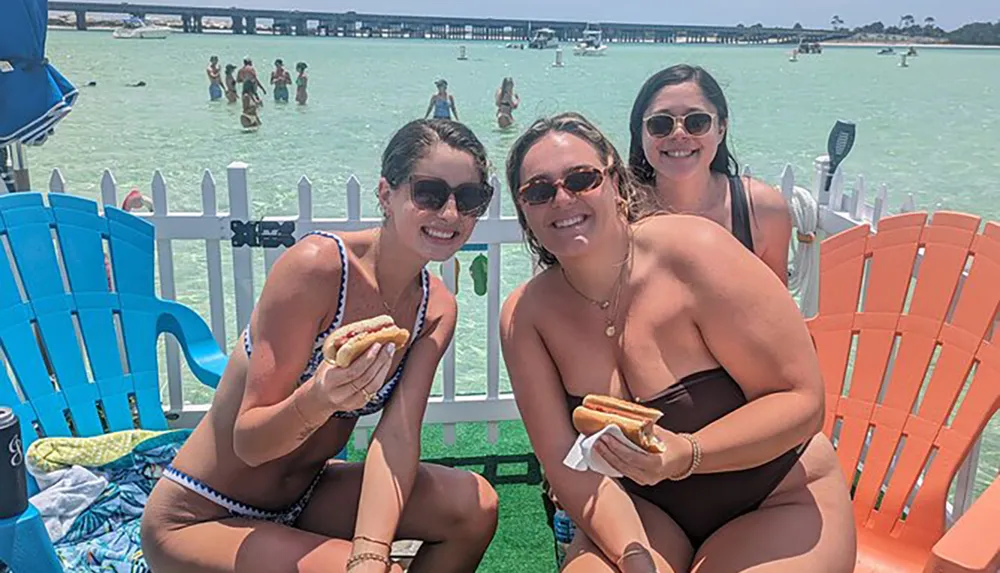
{"x": 916, "y": 43}
{"x": 903, "y": 44}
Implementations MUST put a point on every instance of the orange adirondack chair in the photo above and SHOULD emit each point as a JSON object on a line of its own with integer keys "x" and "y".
{"x": 934, "y": 328}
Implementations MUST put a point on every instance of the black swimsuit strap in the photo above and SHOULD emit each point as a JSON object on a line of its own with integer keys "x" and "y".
{"x": 741, "y": 213}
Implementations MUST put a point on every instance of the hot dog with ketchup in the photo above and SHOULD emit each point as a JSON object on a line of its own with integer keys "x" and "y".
{"x": 346, "y": 343}
{"x": 635, "y": 421}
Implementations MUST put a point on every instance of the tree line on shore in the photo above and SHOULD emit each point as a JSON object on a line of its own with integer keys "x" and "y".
{"x": 983, "y": 33}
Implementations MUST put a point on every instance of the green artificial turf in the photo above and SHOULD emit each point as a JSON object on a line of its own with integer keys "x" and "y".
{"x": 523, "y": 541}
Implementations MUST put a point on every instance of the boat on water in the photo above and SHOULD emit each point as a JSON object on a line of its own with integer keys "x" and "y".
{"x": 542, "y": 39}
{"x": 137, "y": 29}
{"x": 591, "y": 45}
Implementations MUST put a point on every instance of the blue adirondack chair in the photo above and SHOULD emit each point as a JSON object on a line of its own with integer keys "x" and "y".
{"x": 116, "y": 398}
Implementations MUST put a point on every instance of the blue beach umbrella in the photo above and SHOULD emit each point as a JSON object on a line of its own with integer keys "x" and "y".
{"x": 33, "y": 95}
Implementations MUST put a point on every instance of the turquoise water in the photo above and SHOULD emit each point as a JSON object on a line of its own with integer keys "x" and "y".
{"x": 930, "y": 129}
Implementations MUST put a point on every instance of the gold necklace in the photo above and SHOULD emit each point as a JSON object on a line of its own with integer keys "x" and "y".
{"x": 609, "y": 319}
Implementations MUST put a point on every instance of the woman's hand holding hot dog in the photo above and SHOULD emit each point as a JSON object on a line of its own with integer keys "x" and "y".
{"x": 352, "y": 387}
{"x": 646, "y": 468}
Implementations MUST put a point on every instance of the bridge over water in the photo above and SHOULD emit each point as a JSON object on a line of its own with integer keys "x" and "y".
{"x": 354, "y": 24}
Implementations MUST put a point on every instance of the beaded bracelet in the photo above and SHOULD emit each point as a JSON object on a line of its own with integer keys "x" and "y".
{"x": 358, "y": 558}
{"x": 695, "y": 457}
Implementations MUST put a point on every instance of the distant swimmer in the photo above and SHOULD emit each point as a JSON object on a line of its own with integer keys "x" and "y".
{"x": 280, "y": 79}
{"x": 139, "y": 84}
{"x": 231, "y": 94}
{"x": 215, "y": 87}
{"x": 301, "y": 83}
{"x": 248, "y": 72}
{"x": 251, "y": 103}
{"x": 507, "y": 101}
{"x": 442, "y": 104}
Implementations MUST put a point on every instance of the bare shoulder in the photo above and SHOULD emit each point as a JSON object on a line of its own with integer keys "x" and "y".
{"x": 311, "y": 261}
{"x": 441, "y": 304}
{"x": 769, "y": 206}
{"x": 693, "y": 249}
{"x": 524, "y": 303}
{"x": 677, "y": 237}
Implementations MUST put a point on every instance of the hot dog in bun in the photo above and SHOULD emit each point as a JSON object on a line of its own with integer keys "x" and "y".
{"x": 635, "y": 421}
{"x": 348, "y": 342}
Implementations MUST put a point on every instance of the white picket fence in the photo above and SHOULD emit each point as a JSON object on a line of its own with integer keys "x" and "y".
{"x": 822, "y": 213}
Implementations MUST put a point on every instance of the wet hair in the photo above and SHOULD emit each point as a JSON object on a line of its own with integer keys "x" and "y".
{"x": 247, "y": 62}
{"x": 213, "y": 59}
{"x": 576, "y": 125}
{"x": 507, "y": 90}
{"x": 230, "y": 68}
{"x": 300, "y": 66}
{"x": 724, "y": 161}
{"x": 414, "y": 141}
{"x": 279, "y": 62}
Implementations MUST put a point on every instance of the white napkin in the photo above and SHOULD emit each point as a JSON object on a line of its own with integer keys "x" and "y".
{"x": 581, "y": 456}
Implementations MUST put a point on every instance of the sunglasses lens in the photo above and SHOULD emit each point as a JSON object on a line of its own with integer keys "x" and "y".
{"x": 580, "y": 181}
{"x": 430, "y": 194}
{"x": 698, "y": 123}
{"x": 538, "y": 192}
{"x": 473, "y": 198}
{"x": 660, "y": 125}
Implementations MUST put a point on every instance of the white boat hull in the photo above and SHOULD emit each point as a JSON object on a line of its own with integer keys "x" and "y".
{"x": 147, "y": 33}
{"x": 599, "y": 51}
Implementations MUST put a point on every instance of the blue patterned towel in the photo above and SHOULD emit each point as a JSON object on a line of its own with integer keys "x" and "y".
{"x": 105, "y": 537}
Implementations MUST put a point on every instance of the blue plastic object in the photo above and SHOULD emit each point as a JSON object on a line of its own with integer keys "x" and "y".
{"x": 24, "y": 544}
{"x": 38, "y": 334}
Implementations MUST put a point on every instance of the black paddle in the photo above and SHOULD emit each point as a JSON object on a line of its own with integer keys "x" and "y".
{"x": 838, "y": 146}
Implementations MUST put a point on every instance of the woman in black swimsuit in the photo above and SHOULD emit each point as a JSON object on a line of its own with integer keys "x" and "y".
{"x": 253, "y": 489}
{"x": 679, "y": 126}
{"x": 673, "y": 312}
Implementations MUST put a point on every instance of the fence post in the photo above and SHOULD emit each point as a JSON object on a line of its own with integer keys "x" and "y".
{"x": 239, "y": 210}
{"x": 878, "y": 209}
{"x": 836, "y": 196}
{"x": 213, "y": 262}
{"x": 821, "y": 166}
{"x": 909, "y": 205}
{"x": 304, "y": 223}
{"x": 353, "y": 199}
{"x": 165, "y": 260}
{"x": 56, "y": 182}
{"x": 493, "y": 254}
{"x": 858, "y": 200}
{"x": 109, "y": 194}
{"x": 448, "y": 361}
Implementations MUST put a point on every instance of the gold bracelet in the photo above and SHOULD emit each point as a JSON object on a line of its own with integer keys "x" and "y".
{"x": 628, "y": 553}
{"x": 695, "y": 457}
{"x": 368, "y": 556}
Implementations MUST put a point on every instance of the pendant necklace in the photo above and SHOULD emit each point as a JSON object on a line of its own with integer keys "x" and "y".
{"x": 609, "y": 318}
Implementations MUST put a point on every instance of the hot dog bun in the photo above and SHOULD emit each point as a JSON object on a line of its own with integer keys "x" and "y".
{"x": 635, "y": 421}
{"x": 346, "y": 343}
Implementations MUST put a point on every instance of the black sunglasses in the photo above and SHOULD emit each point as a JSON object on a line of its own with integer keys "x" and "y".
{"x": 578, "y": 180}
{"x": 663, "y": 124}
{"x": 431, "y": 194}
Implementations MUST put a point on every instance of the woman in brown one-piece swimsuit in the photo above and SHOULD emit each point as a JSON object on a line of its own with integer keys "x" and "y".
{"x": 673, "y": 312}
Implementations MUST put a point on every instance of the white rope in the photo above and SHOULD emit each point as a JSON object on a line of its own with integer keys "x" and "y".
{"x": 803, "y": 276}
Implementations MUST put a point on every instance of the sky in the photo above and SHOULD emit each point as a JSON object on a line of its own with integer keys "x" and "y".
{"x": 809, "y": 13}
